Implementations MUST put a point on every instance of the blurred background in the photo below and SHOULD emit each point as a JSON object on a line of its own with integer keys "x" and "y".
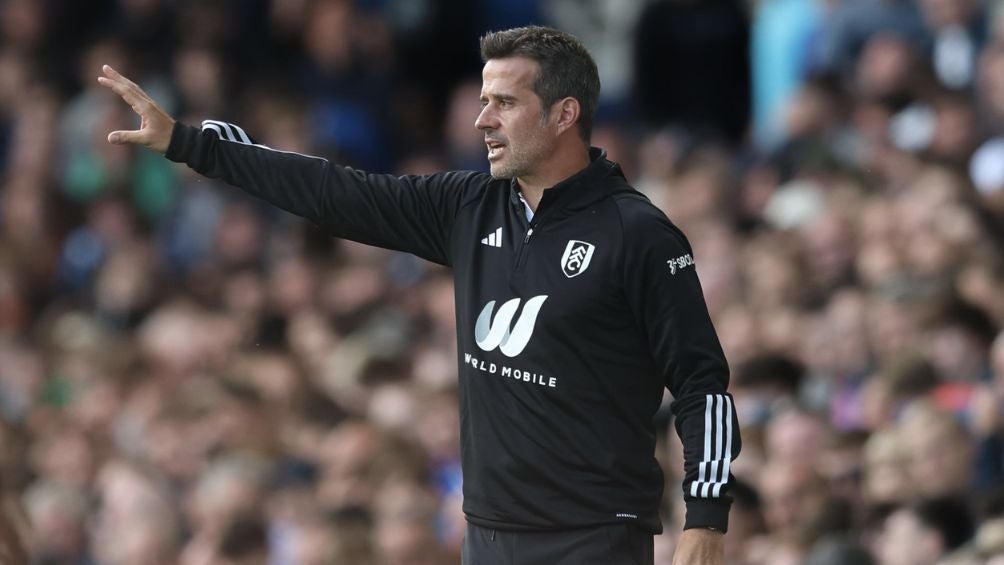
{"x": 189, "y": 376}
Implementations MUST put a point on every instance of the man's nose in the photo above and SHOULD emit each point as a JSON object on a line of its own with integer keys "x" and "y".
{"x": 486, "y": 119}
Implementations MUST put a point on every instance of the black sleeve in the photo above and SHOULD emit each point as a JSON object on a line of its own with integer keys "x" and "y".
{"x": 414, "y": 214}
{"x": 665, "y": 295}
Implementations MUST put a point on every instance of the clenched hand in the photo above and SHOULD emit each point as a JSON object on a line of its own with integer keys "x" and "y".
{"x": 155, "y": 125}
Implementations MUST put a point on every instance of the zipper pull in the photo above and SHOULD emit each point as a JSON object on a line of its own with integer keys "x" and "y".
{"x": 529, "y": 232}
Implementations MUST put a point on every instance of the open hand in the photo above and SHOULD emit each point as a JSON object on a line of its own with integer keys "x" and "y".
{"x": 155, "y": 125}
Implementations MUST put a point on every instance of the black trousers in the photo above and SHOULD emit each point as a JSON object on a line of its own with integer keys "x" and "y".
{"x": 611, "y": 544}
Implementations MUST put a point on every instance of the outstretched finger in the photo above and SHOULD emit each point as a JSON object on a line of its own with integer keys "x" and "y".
{"x": 127, "y": 89}
{"x": 118, "y": 77}
{"x": 122, "y": 90}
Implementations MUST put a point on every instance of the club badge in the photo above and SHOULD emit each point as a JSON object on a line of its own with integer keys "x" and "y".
{"x": 576, "y": 258}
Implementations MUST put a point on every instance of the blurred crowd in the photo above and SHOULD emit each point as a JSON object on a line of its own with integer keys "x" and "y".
{"x": 189, "y": 376}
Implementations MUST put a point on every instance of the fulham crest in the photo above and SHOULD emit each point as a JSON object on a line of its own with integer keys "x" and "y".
{"x": 576, "y": 257}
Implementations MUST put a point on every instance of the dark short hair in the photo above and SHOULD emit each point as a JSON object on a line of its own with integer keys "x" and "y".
{"x": 948, "y": 516}
{"x": 566, "y": 68}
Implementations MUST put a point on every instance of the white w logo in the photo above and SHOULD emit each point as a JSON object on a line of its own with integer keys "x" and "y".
{"x": 490, "y": 335}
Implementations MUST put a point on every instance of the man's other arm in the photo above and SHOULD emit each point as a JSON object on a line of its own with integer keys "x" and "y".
{"x": 665, "y": 295}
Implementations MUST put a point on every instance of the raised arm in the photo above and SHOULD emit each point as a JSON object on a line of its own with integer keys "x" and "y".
{"x": 414, "y": 214}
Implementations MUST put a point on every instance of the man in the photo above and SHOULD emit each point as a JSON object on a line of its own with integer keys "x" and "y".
{"x": 577, "y": 303}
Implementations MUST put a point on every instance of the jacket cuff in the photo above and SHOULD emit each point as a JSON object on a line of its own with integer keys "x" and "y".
{"x": 707, "y": 514}
{"x": 182, "y": 141}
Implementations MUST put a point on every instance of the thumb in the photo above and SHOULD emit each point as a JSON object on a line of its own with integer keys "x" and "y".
{"x": 125, "y": 137}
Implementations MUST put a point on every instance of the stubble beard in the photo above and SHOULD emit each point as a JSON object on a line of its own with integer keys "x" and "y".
{"x": 514, "y": 165}
{"x": 521, "y": 158}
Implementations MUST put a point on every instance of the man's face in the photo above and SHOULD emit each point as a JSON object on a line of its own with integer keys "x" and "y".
{"x": 518, "y": 136}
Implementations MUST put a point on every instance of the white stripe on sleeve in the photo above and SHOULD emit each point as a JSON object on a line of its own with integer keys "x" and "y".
{"x": 728, "y": 448}
{"x": 222, "y": 126}
{"x": 240, "y": 131}
{"x": 713, "y": 477}
{"x": 230, "y": 132}
{"x": 706, "y": 456}
{"x": 215, "y": 128}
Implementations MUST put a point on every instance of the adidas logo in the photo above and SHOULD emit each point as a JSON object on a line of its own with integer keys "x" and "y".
{"x": 494, "y": 239}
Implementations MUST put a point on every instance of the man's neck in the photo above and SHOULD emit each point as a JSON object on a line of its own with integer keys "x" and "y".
{"x": 562, "y": 165}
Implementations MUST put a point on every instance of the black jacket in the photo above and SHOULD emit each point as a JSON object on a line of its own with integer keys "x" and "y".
{"x": 568, "y": 327}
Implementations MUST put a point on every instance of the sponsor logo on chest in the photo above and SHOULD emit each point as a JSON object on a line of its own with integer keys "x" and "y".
{"x": 510, "y": 334}
{"x": 499, "y": 332}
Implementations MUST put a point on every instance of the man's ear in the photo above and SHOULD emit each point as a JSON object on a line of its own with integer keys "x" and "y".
{"x": 567, "y": 110}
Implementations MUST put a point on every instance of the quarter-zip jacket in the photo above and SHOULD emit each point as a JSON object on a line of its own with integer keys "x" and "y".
{"x": 569, "y": 326}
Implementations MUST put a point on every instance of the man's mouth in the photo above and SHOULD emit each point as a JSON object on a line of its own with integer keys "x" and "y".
{"x": 494, "y": 148}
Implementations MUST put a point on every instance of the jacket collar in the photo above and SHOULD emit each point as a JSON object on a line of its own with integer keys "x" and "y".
{"x": 582, "y": 188}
